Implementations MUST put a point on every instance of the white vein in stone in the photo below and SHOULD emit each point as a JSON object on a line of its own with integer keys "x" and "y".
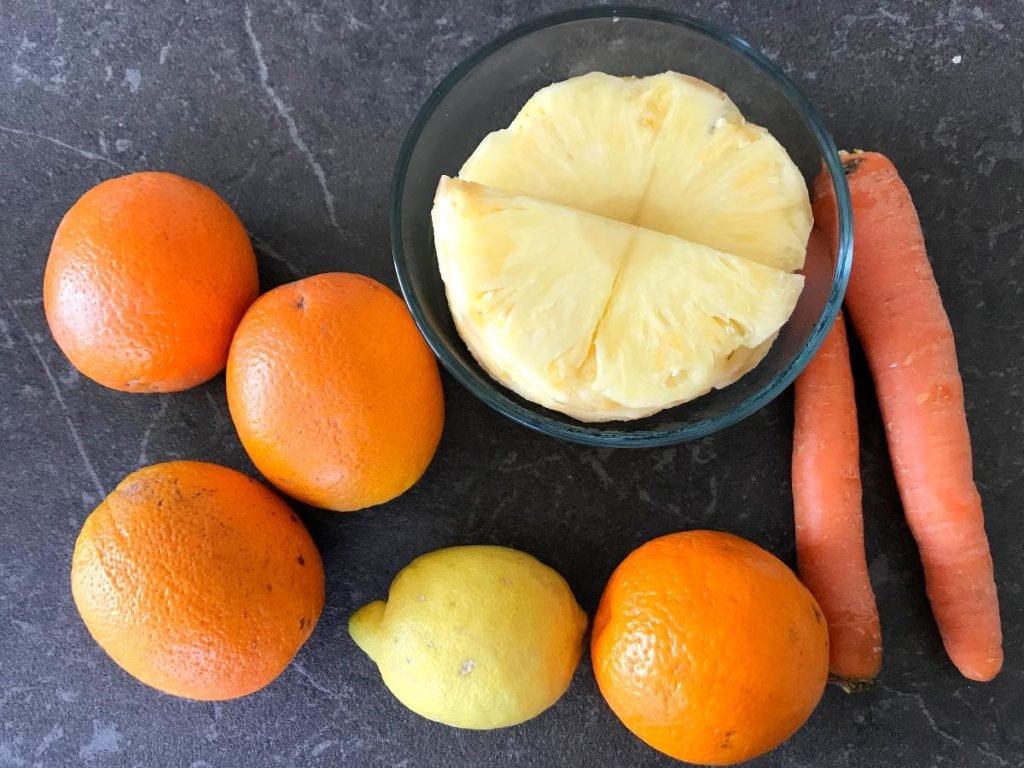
{"x": 918, "y": 699}
{"x": 56, "y": 734}
{"x": 63, "y": 145}
{"x": 59, "y": 397}
{"x": 312, "y": 680}
{"x": 285, "y": 112}
{"x": 148, "y": 434}
{"x": 269, "y": 250}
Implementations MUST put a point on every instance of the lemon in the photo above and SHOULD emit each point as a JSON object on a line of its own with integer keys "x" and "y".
{"x": 474, "y": 637}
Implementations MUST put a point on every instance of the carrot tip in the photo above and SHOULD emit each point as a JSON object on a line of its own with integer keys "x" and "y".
{"x": 853, "y": 686}
{"x": 850, "y": 161}
{"x": 986, "y": 675}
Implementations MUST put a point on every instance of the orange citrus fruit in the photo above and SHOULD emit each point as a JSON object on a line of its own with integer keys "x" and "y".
{"x": 148, "y": 276}
{"x": 334, "y": 393}
{"x": 709, "y": 648}
{"x": 197, "y": 580}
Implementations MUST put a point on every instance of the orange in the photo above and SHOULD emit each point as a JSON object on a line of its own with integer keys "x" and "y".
{"x": 148, "y": 276}
{"x": 708, "y": 648}
{"x": 197, "y": 580}
{"x": 334, "y": 393}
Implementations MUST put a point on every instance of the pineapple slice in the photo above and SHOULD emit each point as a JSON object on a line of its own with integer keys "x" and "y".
{"x": 681, "y": 312}
{"x": 595, "y": 318}
{"x": 562, "y": 147}
{"x": 525, "y": 304}
{"x": 668, "y": 152}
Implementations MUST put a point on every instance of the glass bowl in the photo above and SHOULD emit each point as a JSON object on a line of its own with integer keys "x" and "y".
{"x": 486, "y": 91}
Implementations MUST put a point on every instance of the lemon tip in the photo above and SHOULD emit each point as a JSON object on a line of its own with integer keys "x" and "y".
{"x": 364, "y": 626}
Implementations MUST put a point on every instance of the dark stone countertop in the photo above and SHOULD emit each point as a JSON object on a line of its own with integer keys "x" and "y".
{"x": 294, "y": 110}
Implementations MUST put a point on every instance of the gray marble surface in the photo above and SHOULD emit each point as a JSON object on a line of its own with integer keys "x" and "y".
{"x": 293, "y": 110}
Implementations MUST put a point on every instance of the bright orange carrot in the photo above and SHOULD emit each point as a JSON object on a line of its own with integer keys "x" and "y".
{"x": 827, "y": 509}
{"x": 898, "y": 315}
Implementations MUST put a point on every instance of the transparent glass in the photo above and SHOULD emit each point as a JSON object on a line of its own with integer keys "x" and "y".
{"x": 484, "y": 93}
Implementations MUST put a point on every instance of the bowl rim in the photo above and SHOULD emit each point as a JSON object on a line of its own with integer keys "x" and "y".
{"x": 492, "y": 394}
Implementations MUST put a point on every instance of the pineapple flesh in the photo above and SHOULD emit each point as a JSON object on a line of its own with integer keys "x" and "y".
{"x": 563, "y": 147}
{"x": 668, "y": 152}
{"x": 597, "y": 318}
{"x": 527, "y": 283}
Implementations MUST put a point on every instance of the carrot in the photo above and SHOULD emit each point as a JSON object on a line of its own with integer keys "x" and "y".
{"x": 827, "y": 509}
{"x": 898, "y": 315}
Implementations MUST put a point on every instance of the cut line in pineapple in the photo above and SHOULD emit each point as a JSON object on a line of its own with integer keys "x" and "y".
{"x": 596, "y": 318}
{"x": 668, "y": 152}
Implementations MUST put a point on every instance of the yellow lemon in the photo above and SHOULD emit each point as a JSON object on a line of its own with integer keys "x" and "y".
{"x": 474, "y": 637}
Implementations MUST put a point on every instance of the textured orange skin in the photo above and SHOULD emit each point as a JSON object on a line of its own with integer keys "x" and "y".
{"x": 334, "y": 393}
{"x": 708, "y": 648}
{"x": 148, "y": 276}
{"x": 197, "y": 580}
